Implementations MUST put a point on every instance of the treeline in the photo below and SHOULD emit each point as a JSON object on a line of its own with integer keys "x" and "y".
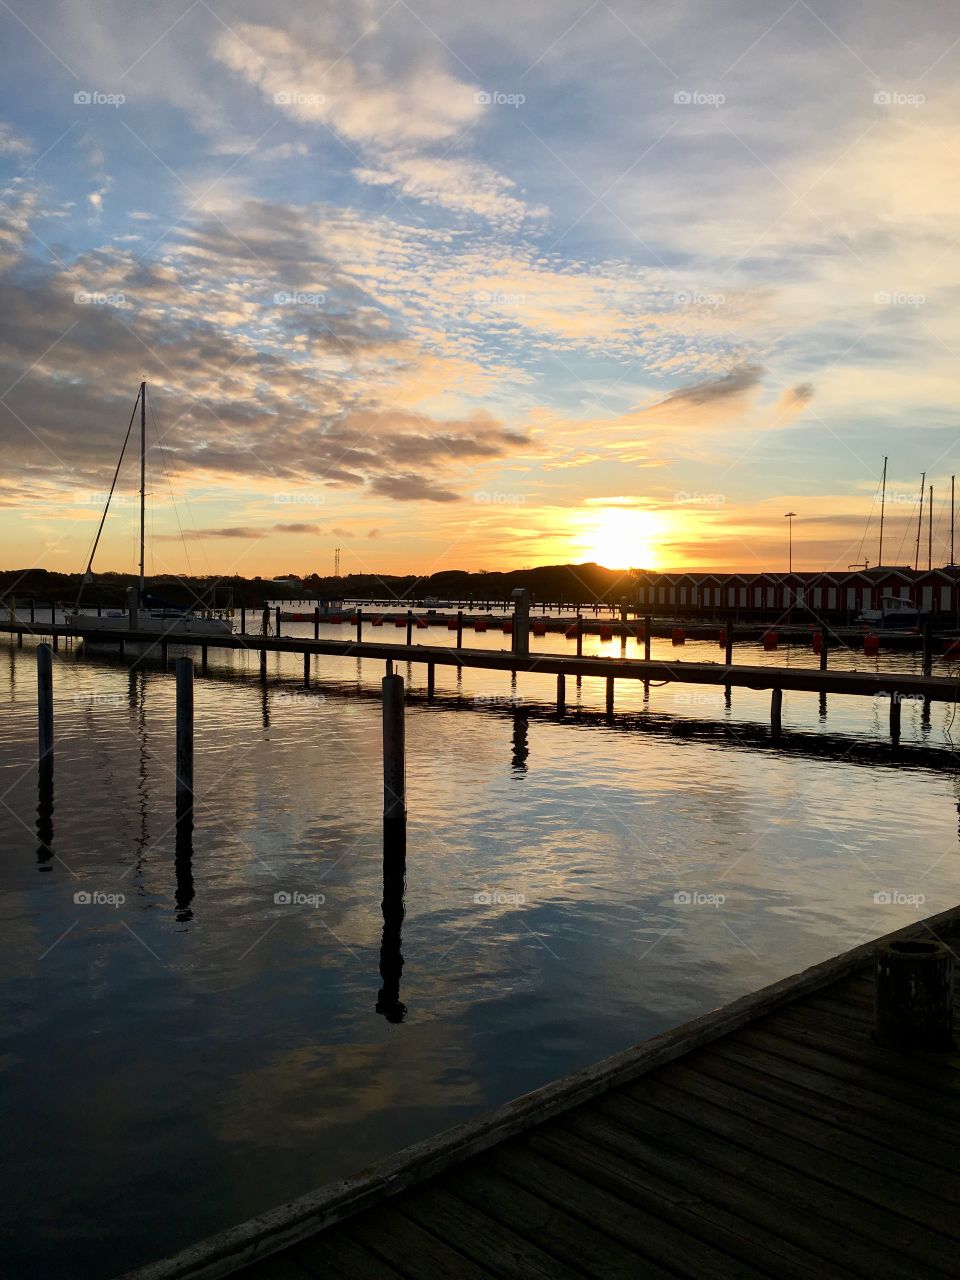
{"x": 579, "y": 584}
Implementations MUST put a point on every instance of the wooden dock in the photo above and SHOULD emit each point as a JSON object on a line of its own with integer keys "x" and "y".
{"x": 770, "y": 1138}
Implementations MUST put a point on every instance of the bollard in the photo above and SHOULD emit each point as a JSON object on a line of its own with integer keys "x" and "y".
{"x": 394, "y": 770}
{"x": 431, "y": 669}
{"x": 45, "y": 704}
{"x": 646, "y": 638}
{"x": 184, "y": 737}
{"x": 913, "y": 995}
{"x": 609, "y": 695}
{"x": 561, "y": 694}
{"x": 776, "y": 714}
{"x": 459, "y": 628}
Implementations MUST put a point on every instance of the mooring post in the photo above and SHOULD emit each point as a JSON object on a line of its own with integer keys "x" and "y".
{"x": 409, "y": 627}
{"x": 263, "y": 664}
{"x": 609, "y": 695}
{"x": 306, "y": 670}
{"x": 203, "y": 659}
{"x": 45, "y": 704}
{"x": 33, "y": 613}
{"x": 316, "y": 623}
{"x": 646, "y": 638}
{"x": 520, "y": 640}
{"x": 278, "y": 621}
{"x": 561, "y": 694}
{"x": 913, "y": 995}
{"x": 895, "y": 718}
{"x": 55, "y": 640}
{"x": 133, "y": 608}
{"x": 243, "y": 619}
{"x": 824, "y": 646}
{"x": 776, "y": 714}
{"x": 927, "y": 648}
{"x": 184, "y": 737}
{"x": 394, "y": 770}
{"x": 53, "y": 614}
{"x": 579, "y": 634}
{"x": 359, "y": 625}
{"x": 163, "y": 654}
{"x": 459, "y": 628}
{"x": 99, "y": 610}
{"x": 431, "y": 672}
{"x": 728, "y": 653}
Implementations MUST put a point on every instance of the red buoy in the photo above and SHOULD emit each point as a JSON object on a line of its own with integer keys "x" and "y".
{"x": 871, "y": 644}
{"x": 452, "y": 624}
{"x": 722, "y": 638}
{"x": 539, "y": 628}
{"x": 770, "y": 639}
{"x": 399, "y": 622}
{"x": 678, "y": 635}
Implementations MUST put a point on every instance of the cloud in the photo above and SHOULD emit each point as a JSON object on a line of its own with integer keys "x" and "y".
{"x": 11, "y": 143}
{"x": 298, "y": 528}
{"x": 408, "y": 487}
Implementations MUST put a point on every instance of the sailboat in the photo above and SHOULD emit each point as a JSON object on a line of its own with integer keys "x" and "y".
{"x": 175, "y": 621}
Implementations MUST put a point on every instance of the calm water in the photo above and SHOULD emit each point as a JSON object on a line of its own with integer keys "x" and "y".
{"x": 198, "y": 1051}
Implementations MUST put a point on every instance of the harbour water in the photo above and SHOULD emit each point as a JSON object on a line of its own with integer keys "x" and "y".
{"x": 192, "y": 1035}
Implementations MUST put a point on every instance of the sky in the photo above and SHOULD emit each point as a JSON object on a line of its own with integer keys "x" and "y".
{"x": 478, "y": 287}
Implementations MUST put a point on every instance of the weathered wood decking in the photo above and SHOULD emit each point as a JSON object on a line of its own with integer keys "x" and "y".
{"x": 770, "y": 1138}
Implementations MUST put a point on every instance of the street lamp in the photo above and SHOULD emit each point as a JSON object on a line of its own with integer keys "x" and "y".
{"x": 789, "y": 516}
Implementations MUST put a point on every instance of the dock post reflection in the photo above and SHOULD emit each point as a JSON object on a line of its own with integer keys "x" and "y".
{"x": 183, "y": 867}
{"x": 389, "y": 1003}
{"x": 521, "y": 749}
{"x": 45, "y": 819}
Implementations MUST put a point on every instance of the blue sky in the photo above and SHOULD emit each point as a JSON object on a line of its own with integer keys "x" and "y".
{"x": 478, "y": 288}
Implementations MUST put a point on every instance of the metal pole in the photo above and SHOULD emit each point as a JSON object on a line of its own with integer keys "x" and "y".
{"x": 45, "y": 704}
{"x": 184, "y": 736}
{"x": 394, "y": 767}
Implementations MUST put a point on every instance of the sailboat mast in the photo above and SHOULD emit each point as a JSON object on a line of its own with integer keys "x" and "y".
{"x": 923, "y": 486}
{"x": 143, "y": 478}
{"x": 883, "y": 503}
{"x": 952, "y": 479}
{"x": 930, "y": 531}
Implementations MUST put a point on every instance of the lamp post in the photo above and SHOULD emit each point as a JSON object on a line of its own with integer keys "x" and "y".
{"x": 789, "y": 517}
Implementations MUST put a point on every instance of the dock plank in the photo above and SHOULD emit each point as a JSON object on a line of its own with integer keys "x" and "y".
{"x": 770, "y": 1140}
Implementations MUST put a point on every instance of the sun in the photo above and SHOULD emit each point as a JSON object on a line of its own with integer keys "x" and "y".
{"x": 621, "y": 537}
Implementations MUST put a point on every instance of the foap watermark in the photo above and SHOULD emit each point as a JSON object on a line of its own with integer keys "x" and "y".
{"x": 697, "y": 98}
{"x": 294, "y": 98}
{"x": 299, "y": 697}
{"x": 698, "y": 699}
{"x": 498, "y": 700}
{"x": 100, "y": 498}
{"x": 497, "y": 98}
{"x": 98, "y": 699}
{"x": 95, "y": 98}
{"x": 898, "y": 299}
{"x": 700, "y": 499}
{"x": 295, "y": 898}
{"x": 91, "y": 298}
{"x": 698, "y": 298}
{"x": 697, "y": 898}
{"x": 496, "y": 298}
{"x": 497, "y": 498}
{"x": 498, "y": 898}
{"x": 897, "y": 898}
{"x": 299, "y": 499}
{"x": 299, "y": 298}
{"x": 883, "y": 696}
{"x": 897, "y": 98}
{"x": 98, "y": 898}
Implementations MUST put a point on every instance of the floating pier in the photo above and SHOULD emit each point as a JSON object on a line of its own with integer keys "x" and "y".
{"x": 771, "y": 1137}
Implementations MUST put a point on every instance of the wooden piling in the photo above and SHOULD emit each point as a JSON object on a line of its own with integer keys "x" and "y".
{"x": 646, "y": 638}
{"x": 409, "y": 627}
{"x": 316, "y": 623}
{"x": 824, "y": 646}
{"x": 263, "y": 664}
{"x": 33, "y": 611}
{"x": 927, "y": 648}
{"x": 459, "y": 628}
{"x": 579, "y": 634}
{"x": 203, "y": 659}
{"x": 45, "y": 704}
{"x": 55, "y": 640}
{"x": 243, "y": 619}
{"x": 278, "y": 620}
{"x": 394, "y": 768}
{"x": 913, "y": 995}
{"x": 776, "y": 714}
{"x": 609, "y": 695}
{"x": 728, "y": 651}
{"x": 431, "y": 676}
{"x": 184, "y": 793}
{"x": 306, "y": 670}
{"x": 561, "y": 694}
{"x": 359, "y": 617}
{"x": 163, "y": 654}
{"x": 894, "y": 718}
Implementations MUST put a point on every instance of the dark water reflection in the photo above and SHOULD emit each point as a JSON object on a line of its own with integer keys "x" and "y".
{"x": 250, "y": 1003}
